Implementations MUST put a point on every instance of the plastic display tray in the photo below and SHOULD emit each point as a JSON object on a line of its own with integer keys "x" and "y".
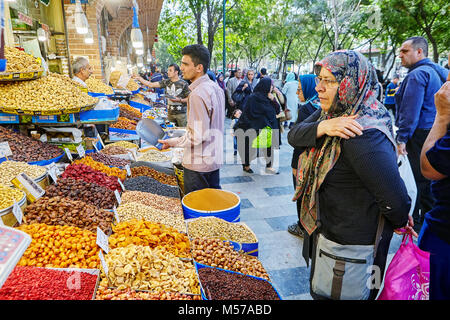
{"x": 20, "y": 76}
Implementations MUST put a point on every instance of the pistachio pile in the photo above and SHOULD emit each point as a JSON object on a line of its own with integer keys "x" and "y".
{"x": 19, "y": 61}
{"x": 51, "y": 93}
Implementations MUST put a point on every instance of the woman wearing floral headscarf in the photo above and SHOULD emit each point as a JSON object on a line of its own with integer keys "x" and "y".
{"x": 350, "y": 163}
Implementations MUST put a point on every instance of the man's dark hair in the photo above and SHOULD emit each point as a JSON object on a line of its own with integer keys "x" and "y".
{"x": 199, "y": 55}
{"x": 176, "y": 67}
{"x": 263, "y": 71}
{"x": 419, "y": 42}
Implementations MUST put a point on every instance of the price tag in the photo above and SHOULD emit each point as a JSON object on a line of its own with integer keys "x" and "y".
{"x": 102, "y": 240}
{"x": 103, "y": 262}
{"x": 100, "y": 139}
{"x": 80, "y": 150}
{"x": 127, "y": 167}
{"x": 69, "y": 154}
{"x": 26, "y": 184}
{"x": 53, "y": 175}
{"x": 116, "y": 215}
{"x": 133, "y": 156}
{"x": 5, "y": 150}
{"x": 17, "y": 212}
{"x": 117, "y": 194}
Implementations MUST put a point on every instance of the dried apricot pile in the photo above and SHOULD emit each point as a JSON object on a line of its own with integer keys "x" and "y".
{"x": 60, "y": 247}
{"x": 154, "y": 235}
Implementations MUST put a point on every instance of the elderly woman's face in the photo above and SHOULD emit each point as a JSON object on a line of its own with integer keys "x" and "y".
{"x": 327, "y": 88}
{"x": 300, "y": 95}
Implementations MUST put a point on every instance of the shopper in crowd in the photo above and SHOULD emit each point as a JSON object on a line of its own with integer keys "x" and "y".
{"x": 416, "y": 112}
{"x": 246, "y": 87}
{"x": 307, "y": 94}
{"x": 82, "y": 70}
{"x": 234, "y": 119}
{"x": 157, "y": 77}
{"x": 389, "y": 100}
{"x": 349, "y": 164}
{"x": 232, "y": 84}
{"x": 290, "y": 90}
{"x": 259, "y": 112}
{"x": 221, "y": 82}
{"x": 177, "y": 91}
{"x": 203, "y": 141}
{"x": 212, "y": 75}
{"x": 263, "y": 73}
{"x": 435, "y": 162}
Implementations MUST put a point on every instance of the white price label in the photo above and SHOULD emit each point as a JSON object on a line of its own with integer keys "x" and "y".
{"x": 102, "y": 240}
{"x": 127, "y": 167}
{"x": 17, "y": 212}
{"x": 117, "y": 194}
{"x": 5, "y": 150}
{"x": 81, "y": 151}
{"x": 133, "y": 156}
{"x": 103, "y": 262}
{"x": 69, "y": 154}
{"x": 53, "y": 175}
{"x": 116, "y": 215}
{"x": 121, "y": 184}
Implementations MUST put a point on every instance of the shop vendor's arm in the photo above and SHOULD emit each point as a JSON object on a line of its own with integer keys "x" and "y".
{"x": 197, "y": 129}
{"x": 147, "y": 83}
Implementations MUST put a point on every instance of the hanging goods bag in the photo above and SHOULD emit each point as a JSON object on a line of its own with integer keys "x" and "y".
{"x": 264, "y": 139}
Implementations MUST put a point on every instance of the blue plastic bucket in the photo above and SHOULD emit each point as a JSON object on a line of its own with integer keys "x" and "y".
{"x": 231, "y": 214}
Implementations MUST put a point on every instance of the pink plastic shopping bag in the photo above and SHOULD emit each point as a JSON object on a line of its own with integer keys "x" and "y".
{"x": 408, "y": 274}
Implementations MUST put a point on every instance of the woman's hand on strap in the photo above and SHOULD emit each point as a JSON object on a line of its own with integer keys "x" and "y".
{"x": 343, "y": 127}
{"x": 408, "y": 228}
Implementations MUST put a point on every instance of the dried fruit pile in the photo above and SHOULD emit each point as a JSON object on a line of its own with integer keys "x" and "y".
{"x": 31, "y": 283}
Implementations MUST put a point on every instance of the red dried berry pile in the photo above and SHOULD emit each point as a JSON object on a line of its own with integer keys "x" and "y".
{"x": 31, "y": 283}
{"x": 86, "y": 173}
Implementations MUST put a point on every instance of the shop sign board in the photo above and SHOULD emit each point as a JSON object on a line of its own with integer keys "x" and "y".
{"x": 25, "y": 19}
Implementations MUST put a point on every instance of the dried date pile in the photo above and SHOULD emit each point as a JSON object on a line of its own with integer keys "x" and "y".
{"x": 66, "y": 212}
{"x": 27, "y": 149}
{"x": 89, "y": 192}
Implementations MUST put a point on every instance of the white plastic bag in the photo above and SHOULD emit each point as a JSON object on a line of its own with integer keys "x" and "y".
{"x": 408, "y": 178}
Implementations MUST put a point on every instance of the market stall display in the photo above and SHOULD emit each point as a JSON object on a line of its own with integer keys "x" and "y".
{"x": 145, "y": 233}
{"x": 27, "y": 149}
{"x": 88, "y": 174}
{"x": 64, "y": 211}
{"x": 225, "y": 285}
{"x": 154, "y": 252}
{"x": 163, "y": 271}
{"x": 49, "y": 95}
{"x": 97, "y": 86}
{"x": 147, "y": 184}
{"x": 60, "y": 247}
{"x": 10, "y": 169}
{"x": 31, "y": 283}
{"x": 138, "y": 211}
{"x": 20, "y": 66}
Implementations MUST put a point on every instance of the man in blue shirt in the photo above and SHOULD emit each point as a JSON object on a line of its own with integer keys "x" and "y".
{"x": 416, "y": 111}
{"x": 389, "y": 100}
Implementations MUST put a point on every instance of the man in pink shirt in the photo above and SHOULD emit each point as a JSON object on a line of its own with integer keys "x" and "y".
{"x": 203, "y": 141}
